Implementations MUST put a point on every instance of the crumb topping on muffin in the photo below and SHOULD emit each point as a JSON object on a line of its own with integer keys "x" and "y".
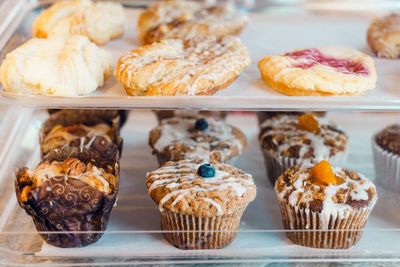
{"x": 389, "y": 139}
{"x": 181, "y": 138}
{"x": 302, "y": 137}
{"x": 351, "y": 190}
{"x": 179, "y": 187}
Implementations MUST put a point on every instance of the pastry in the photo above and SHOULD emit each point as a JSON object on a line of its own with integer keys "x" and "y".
{"x": 324, "y": 207}
{"x": 197, "y": 66}
{"x": 72, "y": 190}
{"x": 383, "y": 36}
{"x": 386, "y": 151}
{"x": 183, "y": 19}
{"x": 265, "y": 115}
{"x": 289, "y": 140}
{"x": 189, "y": 114}
{"x": 99, "y": 21}
{"x": 57, "y": 66}
{"x": 319, "y": 71}
{"x": 196, "y": 197}
{"x": 80, "y": 128}
{"x": 207, "y": 138}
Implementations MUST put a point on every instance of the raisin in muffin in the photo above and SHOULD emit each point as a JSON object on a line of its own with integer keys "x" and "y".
{"x": 288, "y": 140}
{"x": 209, "y": 139}
{"x": 324, "y": 207}
{"x": 386, "y": 151}
{"x": 208, "y": 199}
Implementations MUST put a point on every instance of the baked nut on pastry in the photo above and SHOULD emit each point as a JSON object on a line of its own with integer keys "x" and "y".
{"x": 183, "y": 19}
{"x": 99, "y": 21}
{"x": 319, "y": 71}
{"x": 196, "y": 66}
{"x": 383, "y": 36}
{"x": 207, "y": 138}
{"x": 57, "y": 66}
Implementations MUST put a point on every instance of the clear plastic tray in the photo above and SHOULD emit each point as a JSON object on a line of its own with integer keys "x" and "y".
{"x": 268, "y": 32}
{"x": 133, "y": 235}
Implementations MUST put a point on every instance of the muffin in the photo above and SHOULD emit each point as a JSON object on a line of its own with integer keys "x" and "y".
{"x": 324, "y": 207}
{"x": 209, "y": 139}
{"x": 386, "y": 151}
{"x": 200, "y": 204}
{"x": 189, "y": 114}
{"x": 72, "y": 190}
{"x": 289, "y": 140}
{"x": 80, "y": 128}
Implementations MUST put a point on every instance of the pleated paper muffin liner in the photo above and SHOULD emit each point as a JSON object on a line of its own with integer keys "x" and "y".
{"x": 314, "y": 229}
{"x": 277, "y": 165}
{"x": 193, "y": 232}
{"x": 387, "y": 167}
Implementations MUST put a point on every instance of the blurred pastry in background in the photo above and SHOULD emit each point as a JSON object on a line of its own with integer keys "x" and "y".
{"x": 99, "y": 21}
{"x": 208, "y": 138}
{"x": 383, "y": 36}
{"x": 186, "y": 19}
{"x": 56, "y": 66}
{"x": 189, "y": 114}
{"x": 196, "y": 66}
{"x": 319, "y": 72}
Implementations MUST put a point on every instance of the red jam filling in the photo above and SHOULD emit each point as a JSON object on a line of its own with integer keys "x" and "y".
{"x": 312, "y": 57}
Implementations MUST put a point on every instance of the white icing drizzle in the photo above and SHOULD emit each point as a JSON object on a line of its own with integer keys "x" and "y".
{"x": 329, "y": 206}
{"x": 181, "y": 177}
{"x": 177, "y": 131}
{"x": 286, "y": 125}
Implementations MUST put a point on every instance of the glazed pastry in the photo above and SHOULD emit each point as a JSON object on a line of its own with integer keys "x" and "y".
{"x": 202, "y": 198}
{"x": 71, "y": 190}
{"x": 198, "y": 66}
{"x": 189, "y": 114}
{"x": 185, "y": 19}
{"x": 205, "y": 138}
{"x": 99, "y": 21}
{"x": 384, "y": 36}
{"x": 81, "y": 128}
{"x": 386, "y": 151}
{"x": 324, "y": 207}
{"x": 289, "y": 140}
{"x": 57, "y": 66}
{"x": 319, "y": 71}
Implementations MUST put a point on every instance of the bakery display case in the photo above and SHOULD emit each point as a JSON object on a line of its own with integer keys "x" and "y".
{"x": 93, "y": 192}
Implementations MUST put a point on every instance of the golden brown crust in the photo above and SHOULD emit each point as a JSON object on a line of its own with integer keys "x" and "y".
{"x": 183, "y": 19}
{"x": 199, "y": 66}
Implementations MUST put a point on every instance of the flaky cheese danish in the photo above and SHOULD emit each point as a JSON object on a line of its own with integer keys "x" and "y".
{"x": 197, "y": 66}
{"x": 185, "y": 19}
{"x": 100, "y": 21}
{"x": 57, "y": 66}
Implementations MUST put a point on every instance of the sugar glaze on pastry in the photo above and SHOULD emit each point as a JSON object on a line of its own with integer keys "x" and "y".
{"x": 56, "y": 66}
{"x": 319, "y": 71}
{"x": 99, "y": 21}
{"x": 198, "y": 66}
{"x": 187, "y": 19}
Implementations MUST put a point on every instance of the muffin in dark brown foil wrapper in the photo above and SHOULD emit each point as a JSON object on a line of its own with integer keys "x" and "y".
{"x": 76, "y": 122}
{"x": 69, "y": 206}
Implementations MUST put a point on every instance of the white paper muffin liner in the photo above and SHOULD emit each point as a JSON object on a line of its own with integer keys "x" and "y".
{"x": 323, "y": 229}
{"x": 387, "y": 167}
{"x": 276, "y": 166}
{"x": 193, "y": 232}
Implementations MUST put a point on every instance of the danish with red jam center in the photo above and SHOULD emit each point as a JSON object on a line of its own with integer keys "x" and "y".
{"x": 319, "y": 71}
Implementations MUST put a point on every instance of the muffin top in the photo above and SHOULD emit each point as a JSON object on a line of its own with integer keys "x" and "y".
{"x": 302, "y": 136}
{"x": 191, "y": 187}
{"x": 389, "y": 139}
{"x": 205, "y": 138}
{"x": 325, "y": 189}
